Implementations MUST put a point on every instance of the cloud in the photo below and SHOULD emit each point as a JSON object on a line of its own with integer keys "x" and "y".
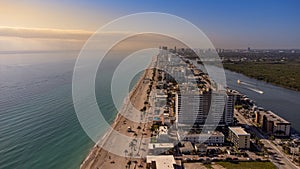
{"x": 45, "y": 33}
{"x": 38, "y": 33}
{"x": 19, "y": 38}
{"x": 14, "y": 39}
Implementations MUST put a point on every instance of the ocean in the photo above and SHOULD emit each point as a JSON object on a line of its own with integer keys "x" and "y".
{"x": 39, "y": 127}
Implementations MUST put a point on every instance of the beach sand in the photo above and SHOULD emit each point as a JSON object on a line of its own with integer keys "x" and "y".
{"x": 107, "y": 157}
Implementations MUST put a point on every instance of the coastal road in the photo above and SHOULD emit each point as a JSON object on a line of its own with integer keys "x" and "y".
{"x": 277, "y": 156}
{"x": 243, "y": 120}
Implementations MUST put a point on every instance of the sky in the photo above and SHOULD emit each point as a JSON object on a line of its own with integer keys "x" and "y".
{"x": 57, "y": 25}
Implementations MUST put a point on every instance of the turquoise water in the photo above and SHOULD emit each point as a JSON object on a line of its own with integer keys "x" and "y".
{"x": 43, "y": 133}
{"x": 38, "y": 125}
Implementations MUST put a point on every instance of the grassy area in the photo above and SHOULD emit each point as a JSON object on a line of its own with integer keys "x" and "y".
{"x": 247, "y": 165}
{"x": 208, "y": 166}
{"x": 282, "y": 74}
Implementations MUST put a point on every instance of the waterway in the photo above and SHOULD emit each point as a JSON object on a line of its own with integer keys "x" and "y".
{"x": 283, "y": 102}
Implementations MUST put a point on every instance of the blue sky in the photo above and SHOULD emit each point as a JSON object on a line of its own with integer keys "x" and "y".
{"x": 228, "y": 23}
{"x": 245, "y": 21}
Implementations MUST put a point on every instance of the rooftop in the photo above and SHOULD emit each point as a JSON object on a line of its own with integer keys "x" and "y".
{"x": 213, "y": 133}
{"x": 187, "y": 147}
{"x": 163, "y": 130}
{"x": 160, "y": 145}
{"x": 273, "y": 117}
{"x": 238, "y": 131}
{"x": 162, "y": 161}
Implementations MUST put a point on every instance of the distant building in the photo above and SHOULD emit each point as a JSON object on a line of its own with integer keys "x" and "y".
{"x": 163, "y": 136}
{"x": 174, "y": 60}
{"x": 186, "y": 148}
{"x": 201, "y": 149}
{"x": 159, "y": 148}
{"x": 161, "y": 162}
{"x": 294, "y": 150}
{"x": 239, "y": 137}
{"x": 207, "y": 138}
{"x": 178, "y": 73}
{"x": 273, "y": 124}
{"x": 160, "y": 99}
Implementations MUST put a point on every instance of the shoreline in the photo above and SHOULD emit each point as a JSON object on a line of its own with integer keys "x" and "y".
{"x": 97, "y": 152}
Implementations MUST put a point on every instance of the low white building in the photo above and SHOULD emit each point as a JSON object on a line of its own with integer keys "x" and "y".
{"x": 207, "y": 138}
{"x": 160, "y": 98}
{"x": 159, "y": 148}
{"x": 163, "y": 136}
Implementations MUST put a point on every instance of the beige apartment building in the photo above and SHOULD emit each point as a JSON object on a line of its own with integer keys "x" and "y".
{"x": 239, "y": 137}
{"x": 273, "y": 124}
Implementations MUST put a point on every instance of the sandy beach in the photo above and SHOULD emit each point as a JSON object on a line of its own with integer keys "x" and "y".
{"x": 116, "y": 153}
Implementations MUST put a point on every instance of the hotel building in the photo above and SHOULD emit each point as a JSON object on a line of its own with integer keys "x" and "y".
{"x": 204, "y": 107}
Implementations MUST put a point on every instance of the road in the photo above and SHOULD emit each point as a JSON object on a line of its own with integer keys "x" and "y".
{"x": 277, "y": 156}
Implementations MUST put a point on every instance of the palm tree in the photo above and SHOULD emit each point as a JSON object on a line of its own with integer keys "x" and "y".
{"x": 125, "y": 151}
{"x": 128, "y": 164}
{"x": 131, "y": 145}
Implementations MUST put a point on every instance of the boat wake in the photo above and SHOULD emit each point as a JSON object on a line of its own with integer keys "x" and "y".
{"x": 250, "y": 87}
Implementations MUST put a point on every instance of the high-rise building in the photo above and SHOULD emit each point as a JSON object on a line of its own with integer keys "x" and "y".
{"x": 249, "y": 49}
{"x": 192, "y": 108}
{"x": 229, "y": 108}
{"x": 208, "y": 107}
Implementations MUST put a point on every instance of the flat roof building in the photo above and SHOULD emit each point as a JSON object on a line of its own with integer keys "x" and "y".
{"x": 163, "y": 136}
{"x": 201, "y": 148}
{"x": 159, "y": 148}
{"x": 239, "y": 137}
{"x": 187, "y": 147}
{"x": 161, "y": 162}
{"x": 210, "y": 138}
